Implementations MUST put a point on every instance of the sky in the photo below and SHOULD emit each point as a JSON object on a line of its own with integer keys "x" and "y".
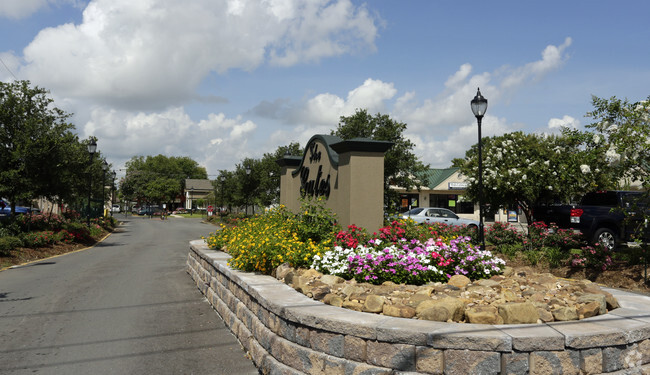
{"x": 224, "y": 80}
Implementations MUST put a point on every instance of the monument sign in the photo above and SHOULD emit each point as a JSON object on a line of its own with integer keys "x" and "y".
{"x": 348, "y": 174}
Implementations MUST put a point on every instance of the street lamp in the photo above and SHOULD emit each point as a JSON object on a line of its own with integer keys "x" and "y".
{"x": 113, "y": 174}
{"x": 192, "y": 201}
{"x": 92, "y": 147}
{"x": 104, "y": 170}
{"x": 479, "y": 106}
{"x": 248, "y": 173}
{"x": 223, "y": 199}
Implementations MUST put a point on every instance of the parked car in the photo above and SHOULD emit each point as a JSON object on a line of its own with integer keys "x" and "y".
{"x": 152, "y": 210}
{"x": 115, "y": 208}
{"x": 5, "y": 209}
{"x": 437, "y": 215}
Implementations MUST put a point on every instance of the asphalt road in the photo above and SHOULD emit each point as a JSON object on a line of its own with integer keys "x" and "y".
{"x": 126, "y": 306}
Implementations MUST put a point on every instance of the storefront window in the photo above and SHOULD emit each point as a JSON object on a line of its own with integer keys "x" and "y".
{"x": 453, "y": 202}
{"x": 408, "y": 201}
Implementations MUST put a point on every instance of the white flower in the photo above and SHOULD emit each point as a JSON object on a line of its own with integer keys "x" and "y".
{"x": 596, "y": 138}
{"x": 585, "y": 168}
{"x": 554, "y": 173}
{"x": 548, "y": 162}
{"x": 523, "y": 177}
{"x": 612, "y": 128}
{"x": 647, "y": 141}
{"x": 549, "y": 187}
{"x": 612, "y": 156}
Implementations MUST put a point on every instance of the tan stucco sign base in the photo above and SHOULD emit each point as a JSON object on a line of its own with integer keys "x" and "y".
{"x": 349, "y": 175}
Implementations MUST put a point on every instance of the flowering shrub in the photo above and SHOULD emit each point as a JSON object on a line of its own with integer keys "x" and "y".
{"x": 593, "y": 257}
{"x": 80, "y": 231}
{"x": 317, "y": 223}
{"x": 40, "y": 222}
{"x": 71, "y": 215}
{"x": 263, "y": 242}
{"x": 543, "y": 235}
{"x": 64, "y": 236}
{"x": 503, "y": 234}
{"x": 39, "y": 239}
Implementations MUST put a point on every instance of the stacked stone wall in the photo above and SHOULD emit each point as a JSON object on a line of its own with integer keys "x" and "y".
{"x": 288, "y": 333}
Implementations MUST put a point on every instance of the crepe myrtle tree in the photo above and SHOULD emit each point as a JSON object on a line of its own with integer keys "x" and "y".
{"x": 622, "y": 130}
{"x": 525, "y": 170}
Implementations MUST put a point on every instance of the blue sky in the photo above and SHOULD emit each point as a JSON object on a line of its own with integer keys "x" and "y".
{"x": 223, "y": 80}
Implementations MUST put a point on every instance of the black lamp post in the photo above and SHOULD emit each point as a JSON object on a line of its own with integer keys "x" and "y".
{"x": 479, "y": 106}
{"x": 104, "y": 170}
{"x": 92, "y": 147}
{"x": 113, "y": 174}
{"x": 223, "y": 199}
{"x": 192, "y": 201}
{"x": 248, "y": 173}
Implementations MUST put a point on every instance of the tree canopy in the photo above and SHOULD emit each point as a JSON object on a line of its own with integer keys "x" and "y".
{"x": 158, "y": 179}
{"x": 39, "y": 153}
{"x": 401, "y": 166}
{"x": 524, "y": 170}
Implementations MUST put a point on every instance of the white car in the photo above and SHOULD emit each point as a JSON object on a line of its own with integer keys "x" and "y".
{"x": 437, "y": 215}
{"x": 115, "y": 208}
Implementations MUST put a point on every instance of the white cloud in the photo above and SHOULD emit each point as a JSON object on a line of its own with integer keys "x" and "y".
{"x": 566, "y": 121}
{"x": 552, "y": 58}
{"x": 18, "y": 9}
{"x": 150, "y": 54}
{"x": 217, "y": 142}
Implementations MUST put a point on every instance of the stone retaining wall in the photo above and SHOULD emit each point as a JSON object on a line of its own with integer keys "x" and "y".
{"x": 286, "y": 332}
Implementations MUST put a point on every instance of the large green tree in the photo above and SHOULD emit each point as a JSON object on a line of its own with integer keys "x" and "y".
{"x": 523, "y": 170}
{"x": 401, "y": 167}
{"x": 158, "y": 179}
{"x": 39, "y": 154}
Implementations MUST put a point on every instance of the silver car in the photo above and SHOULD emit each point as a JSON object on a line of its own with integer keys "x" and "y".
{"x": 437, "y": 215}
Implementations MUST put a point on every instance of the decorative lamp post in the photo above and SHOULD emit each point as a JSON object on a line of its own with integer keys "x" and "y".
{"x": 223, "y": 182}
{"x": 192, "y": 201}
{"x": 248, "y": 173}
{"x": 479, "y": 106}
{"x": 104, "y": 170}
{"x": 113, "y": 174}
{"x": 92, "y": 147}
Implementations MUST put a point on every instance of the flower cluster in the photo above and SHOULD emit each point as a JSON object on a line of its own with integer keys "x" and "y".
{"x": 39, "y": 239}
{"x": 401, "y": 260}
{"x": 350, "y": 238}
{"x": 544, "y": 235}
{"x": 503, "y": 234}
{"x": 263, "y": 242}
{"x": 594, "y": 257}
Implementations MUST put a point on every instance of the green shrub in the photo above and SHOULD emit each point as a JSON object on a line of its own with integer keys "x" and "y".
{"x": 510, "y": 250}
{"x": 555, "y": 256}
{"x": 499, "y": 234}
{"x": 316, "y": 222}
{"x": 533, "y": 256}
{"x": 64, "y": 236}
{"x": 39, "y": 239}
{"x": 8, "y": 243}
{"x": 80, "y": 231}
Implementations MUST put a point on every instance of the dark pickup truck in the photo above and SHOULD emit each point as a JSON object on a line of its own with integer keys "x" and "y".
{"x": 608, "y": 217}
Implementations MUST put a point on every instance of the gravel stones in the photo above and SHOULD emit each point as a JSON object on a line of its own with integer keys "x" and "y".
{"x": 522, "y": 297}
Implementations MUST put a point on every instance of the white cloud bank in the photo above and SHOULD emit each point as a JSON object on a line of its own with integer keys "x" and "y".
{"x": 130, "y": 67}
{"x": 153, "y": 54}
